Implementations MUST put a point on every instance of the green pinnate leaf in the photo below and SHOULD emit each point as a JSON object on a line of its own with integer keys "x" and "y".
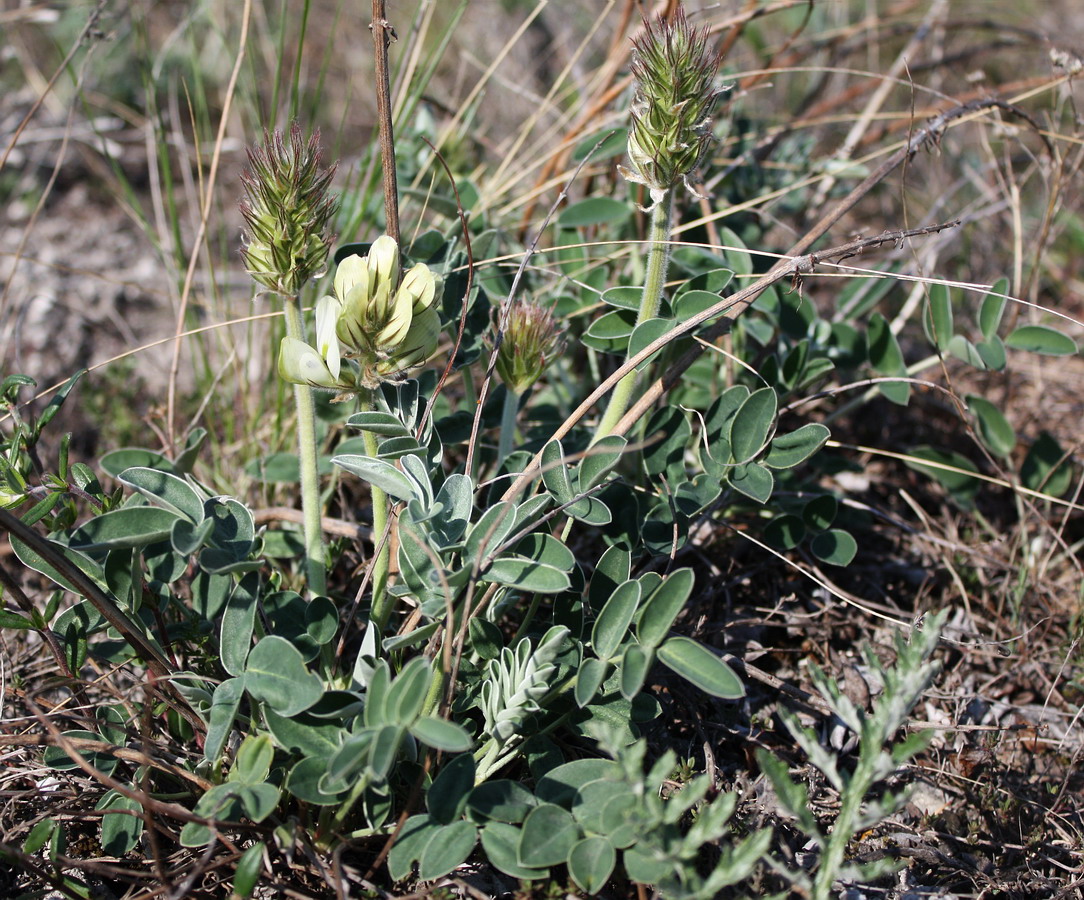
{"x": 224, "y": 705}
{"x": 446, "y": 798}
{"x": 612, "y": 625}
{"x": 380, "y": 423}
{"x": 835, "y": 546}
{"x": 610, "y": 332}
{"x": 591, "y": 862}
{"x": 1046, "y": 467}
{"x": 500, "y": 841}
{"x": 624, "y": 297}
{"x": 527, "y": 575}
{"x": 489, "y": 532}
{"x": 613, "y": 568}
{"x": 248, "y": 870}
{"x": 788, "y": 450}
{"x": 275, "y": 673}
{"x": 563, "y": 784}
{"x": 547, "y": 836}
{"x": 785, "y": 532}
{"x": 992, "y": 353}
{"x": 589, "y": 679}
{"x": 753, "y": 480}
{"x": 416, "y": 832}
{"x": 502, "y": 801}
{"x": 594, "y": 211}
{"x": 130, "y": 526}
{"x": 1041, "y": 339}
{"x": 937, "y": 320}
{"x": 167, "y": 491}
{"x": 120, "y": 832}
{"x": 646, "y": 333}
{"x": 752, "y": 423}
{"x": 545, "y": 548}
{"x": 699, "y": 666}
{"x": 116, "y": 461}
{"x": 555, "y": 473}
{"x": 964, "y": 350}
{"x": 635, "y": 664}
{"x": 993, "y": 308}
{"x": 306, "y": 780}
{"x": 663, "y": 606}
{"x": 253, "y": 760}
{"x": 668, "y": 430}
{"x": 887, "y": 359}
{"x": 381, "y": 473}
{"x": 384, "y": 750}
{"x": 440, "y": 734}
{"x": 948, "y": 467}
{"x": 600, "y": 460}
{"x": 820, "y": 512}
{"x": 406, "y": 696}
{"x": 994, "y": 429}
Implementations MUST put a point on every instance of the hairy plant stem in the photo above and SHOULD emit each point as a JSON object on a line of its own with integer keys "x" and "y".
{"x": 343, "y": 810}
{"x": 657, "y": 262}
{"x": 491, "y": 757}
{"x": 315, "y": 568}
{"x": 382, "y": 600}
{"x": 508, "y": 425}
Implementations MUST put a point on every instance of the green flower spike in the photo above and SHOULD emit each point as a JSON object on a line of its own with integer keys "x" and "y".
{"x": 670, "y": 131}
{"x": 676, "y": 93}
{"x": 532, "y": 338}
{"x": 286, "y": 209}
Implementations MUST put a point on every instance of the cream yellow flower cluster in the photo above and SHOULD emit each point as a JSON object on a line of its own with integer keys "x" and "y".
{"x": 373, "y": 327}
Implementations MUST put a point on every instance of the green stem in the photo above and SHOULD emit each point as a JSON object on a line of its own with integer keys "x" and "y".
{"x": 382, "y": 600}
{"x": 315, "y": 569}
{"x": 436, "y": 690}
{"x": 654, "y": 279}
{"x": 508, "y": 425}
{"x": 344, "y": 808}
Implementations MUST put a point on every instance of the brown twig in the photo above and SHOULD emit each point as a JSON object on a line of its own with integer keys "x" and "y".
{"x": 85, "y": 745}
{"x": 158, "y": 665}
{"x": 159, "y": 807}
{"x": 23, "y": 602}
{"x": 383, "y": 35}
{"x": 337, "y": 527}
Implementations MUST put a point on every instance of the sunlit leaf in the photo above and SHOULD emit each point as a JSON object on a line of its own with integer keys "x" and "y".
{"x": 699, "y": 666}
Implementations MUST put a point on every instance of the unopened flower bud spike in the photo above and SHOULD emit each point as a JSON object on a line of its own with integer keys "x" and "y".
{"x": 532, "y": 339}
{"x": 287, "y": 210}
{"x": 675, "y": 72}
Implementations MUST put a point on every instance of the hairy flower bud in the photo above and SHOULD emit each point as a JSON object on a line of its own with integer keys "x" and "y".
{"x": 287, "y": 210}
{"x": 532, "y": 337}
{"x": 675, "y": 71}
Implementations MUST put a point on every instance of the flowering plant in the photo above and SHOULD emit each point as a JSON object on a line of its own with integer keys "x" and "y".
{"x": 381, "y": 323}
